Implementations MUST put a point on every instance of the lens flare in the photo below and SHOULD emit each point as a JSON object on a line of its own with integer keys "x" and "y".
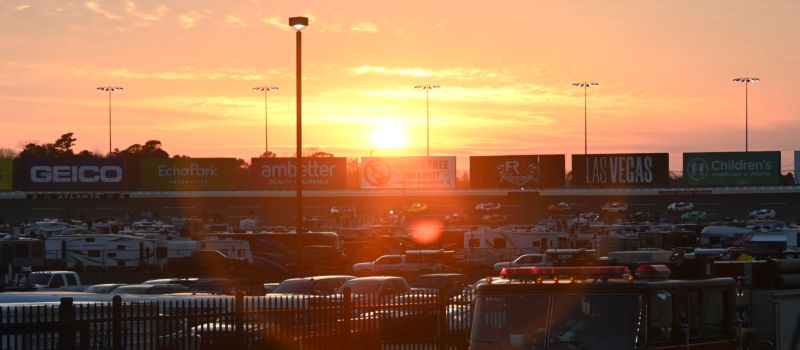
{"x": 426, "y": 231}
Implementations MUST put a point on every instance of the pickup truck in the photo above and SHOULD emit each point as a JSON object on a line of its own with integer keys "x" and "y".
{"x": 398, "y": 264}
{"x": 524, "y": 260}
{"x": 55, "y": 280}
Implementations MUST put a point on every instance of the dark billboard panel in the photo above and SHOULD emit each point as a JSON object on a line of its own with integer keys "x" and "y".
{"x": 318, "y": 173}
{"x": 620, "y": 170}
{"x": 522, "y": 171}
{"x": 6, "y": 174}
{"x": 732, "y": 168}
{"x": 188, "y": 174}
{"x": 76, "y": 174}
{"x": 437, "y": 172}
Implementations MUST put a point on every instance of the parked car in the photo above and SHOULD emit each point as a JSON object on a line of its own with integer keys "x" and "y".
{"x": 614, "y": 207}
{"x": 412, "y": 261}
{"x": 105, "y": 288}
{"x": 680, "y": 207}
{"x": 694, "y": 215}
{"x": 376, "y": 285}
{"x": 494, "y": 219}
{"x": 452, "y": 283}
{"x": 524, "y": 260}
{"x": 456, "y": 218}
{"x": 763, "y": 214}
{"x": 317, "y": 285}
{"x": 488, "y": 206}
{"x": 55, "y": 280}
{"x": 269, "y": 287}
{"x": 166, "y": 288}
{"x": 559, "y": 207}
{"x": 416, "y": 208}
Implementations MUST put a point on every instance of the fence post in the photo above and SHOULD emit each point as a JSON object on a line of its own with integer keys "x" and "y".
{"x": 66, "y": 314}
{"x": 238, "y": 320}
{"x": 347, "y": 309}
{"x": 441, "y": 311}
{"x": 116, "y": 323}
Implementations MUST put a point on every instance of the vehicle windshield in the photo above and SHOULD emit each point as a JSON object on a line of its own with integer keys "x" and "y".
{"x": 585, "y": 322}
{"x": 294, "y": 286}
{"x": 39, "y": 278}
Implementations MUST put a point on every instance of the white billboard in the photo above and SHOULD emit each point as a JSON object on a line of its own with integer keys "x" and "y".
{"x": 407, "y": 172}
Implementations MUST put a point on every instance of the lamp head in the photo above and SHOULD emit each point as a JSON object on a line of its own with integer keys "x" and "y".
{"x": 298, "y": 23}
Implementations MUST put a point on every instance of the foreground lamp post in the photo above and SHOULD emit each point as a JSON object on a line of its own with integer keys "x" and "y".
{"x": 746, "y": 81}
{"x": 427, "y": 89}
{"x": 109, "y": 89}
{"x": 298, "y": 23}
{"x": 266, "y": 89}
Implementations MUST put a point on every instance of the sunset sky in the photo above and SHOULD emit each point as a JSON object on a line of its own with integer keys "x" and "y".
{"x": 665, "y": 70}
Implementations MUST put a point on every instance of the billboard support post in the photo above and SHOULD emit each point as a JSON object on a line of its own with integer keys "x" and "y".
{"x": 298, "y": 23}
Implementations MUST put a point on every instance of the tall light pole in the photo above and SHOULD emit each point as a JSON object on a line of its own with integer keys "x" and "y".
{"x": 746, "y": 81}
{"x": 585, "y": 85}
{"x": 109, "y": 89}
{"x": 427, "y": 89}
{"x": 298, "y": 23}
{"x": 266, "y": 89}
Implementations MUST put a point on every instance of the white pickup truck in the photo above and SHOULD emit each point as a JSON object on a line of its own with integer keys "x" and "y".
{"x": 524, "y": 260}
{"x": 399, "y": 264}
{"x": 55, "y": 280}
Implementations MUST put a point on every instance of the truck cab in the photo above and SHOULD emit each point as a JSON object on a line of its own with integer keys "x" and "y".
{"x": 603, "y": 307}
{"x": 55, "y": 280}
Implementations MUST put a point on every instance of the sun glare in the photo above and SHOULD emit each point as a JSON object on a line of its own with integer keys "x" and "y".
{"x": 389, "y": 134}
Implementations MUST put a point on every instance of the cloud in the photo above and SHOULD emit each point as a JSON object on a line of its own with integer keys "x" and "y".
{"x": 156, "y": 15}
{"x": 21, "y": 8}
{"x": 94, "y": 7}
{"x": 365, "y": 27}
{"x": 189, "y": 20}
{"x": 235, "y": 21}
{"x": 185, "y": 73}
{"x": 280, "y": 23}
{"x": 457, "y": 73}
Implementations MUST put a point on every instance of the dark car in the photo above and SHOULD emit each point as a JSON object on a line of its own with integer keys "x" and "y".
{"x": 150, "y": 289}
{"x": 317, "y": 285}
{"x": 451, "y": 283}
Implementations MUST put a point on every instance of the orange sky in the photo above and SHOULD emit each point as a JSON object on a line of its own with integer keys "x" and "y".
{"x": 505, "y": 67}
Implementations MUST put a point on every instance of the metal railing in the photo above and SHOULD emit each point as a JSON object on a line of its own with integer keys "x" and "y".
{"x": 426, "y": 319}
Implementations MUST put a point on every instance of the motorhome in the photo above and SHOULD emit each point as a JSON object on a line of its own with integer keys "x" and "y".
{"x": 488, "y": 246}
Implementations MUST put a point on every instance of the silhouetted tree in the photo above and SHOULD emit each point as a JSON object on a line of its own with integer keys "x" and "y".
{"x": 150, "y": 149}
{"x": 320, "y": 154}
{"x": 8, "y": 153}
{"x": 268, "y": 154}
{"x": 62, "y": 147}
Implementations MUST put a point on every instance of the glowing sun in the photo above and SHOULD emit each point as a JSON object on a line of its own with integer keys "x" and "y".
{"x": 389, "y": 134}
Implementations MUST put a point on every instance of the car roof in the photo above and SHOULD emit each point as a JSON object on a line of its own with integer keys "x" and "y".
{"x": 376, "y": 278}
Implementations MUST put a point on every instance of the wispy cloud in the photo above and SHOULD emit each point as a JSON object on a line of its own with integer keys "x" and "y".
{"x": 235, "y": 21}
{"x": 189, "y": 20}
{"x": 365, "y": 27}
{"x": 22, "y": 7}
{"x": 277, "y": 22}
{"x": 95, "y": 7}
{"x": 185, "y": 73}
{"x": 457, "y": 73}
{"x": 155, "y": 15}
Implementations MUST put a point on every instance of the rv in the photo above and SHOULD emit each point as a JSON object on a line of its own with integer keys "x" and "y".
{"x": 488, "y": 246}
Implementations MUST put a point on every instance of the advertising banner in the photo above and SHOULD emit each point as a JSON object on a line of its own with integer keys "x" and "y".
{"x": 620, "y": 170}
{"x": 318, "y": 173}
{"x": 76, "y": 174}
{"x": 188, "y": 174}
{"x": 408, "y": 172}
{"x": 6, "y": 174}
{"x": 732, "y": 168}
{"x": 523, "y": 171}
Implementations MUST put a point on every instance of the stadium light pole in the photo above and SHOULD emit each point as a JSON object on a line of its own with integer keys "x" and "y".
{"x": 585, "y": 85}
{"x": 746, "y": 81}
{"x": 427, "y": 89}
{"x": 109, "y": 89}
{"x": 298, "y": 23}
{"x": 266, "y": 89}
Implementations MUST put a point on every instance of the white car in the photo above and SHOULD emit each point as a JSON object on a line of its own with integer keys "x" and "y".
{"x": 524, "y": 260}
{"x": 488, "y": 206}
{"x": 680, "y": 207}
{"x": 614, "y": 207}
{"x": 762, "y": 214}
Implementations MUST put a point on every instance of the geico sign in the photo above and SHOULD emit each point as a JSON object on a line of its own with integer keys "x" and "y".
{"x": 72, "y": 173}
